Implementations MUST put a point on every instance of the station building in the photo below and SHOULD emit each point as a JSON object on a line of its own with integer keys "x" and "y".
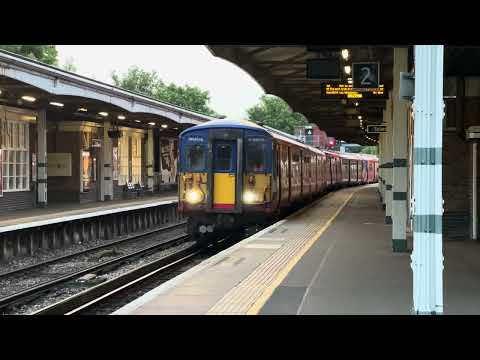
{"x": 66, "y": 138}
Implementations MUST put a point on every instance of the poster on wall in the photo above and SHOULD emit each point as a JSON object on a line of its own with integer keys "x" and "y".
{"x": 168, "y": 161}
{"x": 59, "y": 164}
{"x": 115, "y": 163}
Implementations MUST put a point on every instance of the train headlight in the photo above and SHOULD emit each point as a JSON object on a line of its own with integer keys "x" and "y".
{"x": 249, "y": 197}
{"x": 194, "y": 196}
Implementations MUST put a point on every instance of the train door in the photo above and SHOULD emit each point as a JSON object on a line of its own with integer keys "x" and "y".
{"x": 224, "y": 173}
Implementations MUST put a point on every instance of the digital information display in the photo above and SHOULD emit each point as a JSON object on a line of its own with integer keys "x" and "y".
{"x": 376, "y": 129}
{"x": 346, "y": 90}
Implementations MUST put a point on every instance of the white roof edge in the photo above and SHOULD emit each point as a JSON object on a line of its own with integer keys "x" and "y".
{"x": 23, "y": 63}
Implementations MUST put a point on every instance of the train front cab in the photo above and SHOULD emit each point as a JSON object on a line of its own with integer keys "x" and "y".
{"x": 225, "y": 174}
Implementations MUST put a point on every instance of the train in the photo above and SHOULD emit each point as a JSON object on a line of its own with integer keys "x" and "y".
{"x": 235, "y": 173}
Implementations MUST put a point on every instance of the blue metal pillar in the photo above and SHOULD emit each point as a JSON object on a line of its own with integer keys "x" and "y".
{"x": 427, "y": 257}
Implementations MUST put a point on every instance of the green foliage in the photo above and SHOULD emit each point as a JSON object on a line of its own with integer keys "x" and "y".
{"x": 44, "y": 53}
{"x": 369, "y": 150}
{"x": 149, "y": 84}
{"x": 138, "y": 80}
{"x": 274, "y": 112}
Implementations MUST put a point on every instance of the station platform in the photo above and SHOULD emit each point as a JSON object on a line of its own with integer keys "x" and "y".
{"x": 332, "y": 257}
{"x": 61, "y": 212}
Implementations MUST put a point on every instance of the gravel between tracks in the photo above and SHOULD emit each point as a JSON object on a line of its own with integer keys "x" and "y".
{"x": 75, "y": 286}
{"x": 17, "y": 282}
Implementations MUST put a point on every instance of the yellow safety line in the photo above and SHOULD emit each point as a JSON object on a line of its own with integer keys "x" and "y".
{"x": 284, "y": 272}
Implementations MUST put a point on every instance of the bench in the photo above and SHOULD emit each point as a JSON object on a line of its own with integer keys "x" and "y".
{"x": 131, "y": 188}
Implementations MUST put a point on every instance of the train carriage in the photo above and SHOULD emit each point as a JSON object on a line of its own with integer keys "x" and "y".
{"x": 236, "y": 173}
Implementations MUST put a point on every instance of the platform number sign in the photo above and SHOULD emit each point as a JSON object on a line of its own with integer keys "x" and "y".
{"x": 366, "y": 75}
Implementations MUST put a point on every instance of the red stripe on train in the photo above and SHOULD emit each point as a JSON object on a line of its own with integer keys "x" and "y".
{"x": 223, "y": 206}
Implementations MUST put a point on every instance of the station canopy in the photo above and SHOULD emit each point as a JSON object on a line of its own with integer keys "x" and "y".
{"x": 331, "y": 104}
{"x": 67, "y": 96}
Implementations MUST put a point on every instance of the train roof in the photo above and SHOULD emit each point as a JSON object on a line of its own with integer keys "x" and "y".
{"x": 277, "y": 134}
{"x": 221, "y": 123}
{"x": 245, "y": 124}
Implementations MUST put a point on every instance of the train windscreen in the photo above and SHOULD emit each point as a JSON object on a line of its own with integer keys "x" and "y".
{"x": 196, "y": 158}
{"x": 255, "y": 157}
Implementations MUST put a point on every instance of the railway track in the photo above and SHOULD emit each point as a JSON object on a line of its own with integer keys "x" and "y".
{"x": 50, "y": 269}
{"x": 109, "y": 296}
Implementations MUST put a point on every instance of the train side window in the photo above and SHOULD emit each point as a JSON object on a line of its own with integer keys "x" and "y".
{"x": 255, "y": 161}
{"x": 196, "y": 158}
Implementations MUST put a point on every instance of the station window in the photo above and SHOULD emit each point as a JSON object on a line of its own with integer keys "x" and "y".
{"x": 130, "y": 159}
{"x": 16, "y": 157}
{"x": 195, "y": 158}
{"x": 255, "y": 159}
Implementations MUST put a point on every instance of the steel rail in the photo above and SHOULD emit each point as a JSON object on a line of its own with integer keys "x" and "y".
{"x": 95, "y": 248}
{"x": 43, "y": 287}
{"x": 92, "y": 296}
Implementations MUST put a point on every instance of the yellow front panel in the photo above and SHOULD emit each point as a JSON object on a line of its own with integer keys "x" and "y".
{"x": 223, "y": 189}
{"x": 193, "y": 181}
{"x": 260, "y": 190}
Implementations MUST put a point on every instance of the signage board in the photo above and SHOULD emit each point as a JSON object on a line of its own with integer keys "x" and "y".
{"x": 376, "y": 129}
{"x": 365, "y": 75}
{"x": 59, "y": 164}
{"x": 323, "y": 69}
{"x": 346, "y": 90}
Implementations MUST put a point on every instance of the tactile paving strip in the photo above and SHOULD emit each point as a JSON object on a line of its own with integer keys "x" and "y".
{"x": 301, "y": 229}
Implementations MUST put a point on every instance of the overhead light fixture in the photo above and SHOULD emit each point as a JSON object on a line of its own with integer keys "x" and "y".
{"x": 54, "y": 103}
{"x": 103, "y": 113}
{"x": 28, "y": 98}
{"x": 345, "y": 54}
{"x": 175, "y": 128}
{"x": 359, "y": 117}
{"x": 347, "y": 69}
{"x": 137, "y": 121}
{"x": 82, "y": 109}
{"x": 151, "y": 123}
{"x": 350, "y": 80}
{"x": 0, "y": 92}
{"x": 121, "y": 117}
{"x": 356, "y": 103}
{"x": 164, "y": 126}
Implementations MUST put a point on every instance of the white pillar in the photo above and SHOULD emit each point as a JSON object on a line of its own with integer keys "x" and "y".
{"x": 400, "y": 141}
{"x": 388, "y": 162}
{"x": 427, "y": 257}
{"x": 42, "y": 158}
{"x": 381, "y": 180}
{"x": 106, "y": 176}
{"x": 150, "y": 160}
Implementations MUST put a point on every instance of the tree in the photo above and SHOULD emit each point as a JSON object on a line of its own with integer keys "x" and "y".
{"x": 148, "y": 83}
{"x": 190, "y": 97}
{"x": 369, "y": 150}
{"x": 44, "y": 53}
{"x": 69, "y": 65}
{"x": 275, "y": 112}
{"x": 138, "y": 80}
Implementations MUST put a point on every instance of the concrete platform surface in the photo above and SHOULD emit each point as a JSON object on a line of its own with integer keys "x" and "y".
{"x": 333, "y": 257}
{"x": 59, "y": 212}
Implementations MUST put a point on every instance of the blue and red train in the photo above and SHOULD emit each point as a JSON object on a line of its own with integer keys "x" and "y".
{"x": 238, "y": 173}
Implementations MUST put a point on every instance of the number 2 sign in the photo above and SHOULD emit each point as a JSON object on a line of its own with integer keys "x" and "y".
{"x": 366, "y": 75}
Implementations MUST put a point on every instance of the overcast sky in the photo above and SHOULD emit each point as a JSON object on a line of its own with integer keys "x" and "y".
{"x": 232, "y": 91}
